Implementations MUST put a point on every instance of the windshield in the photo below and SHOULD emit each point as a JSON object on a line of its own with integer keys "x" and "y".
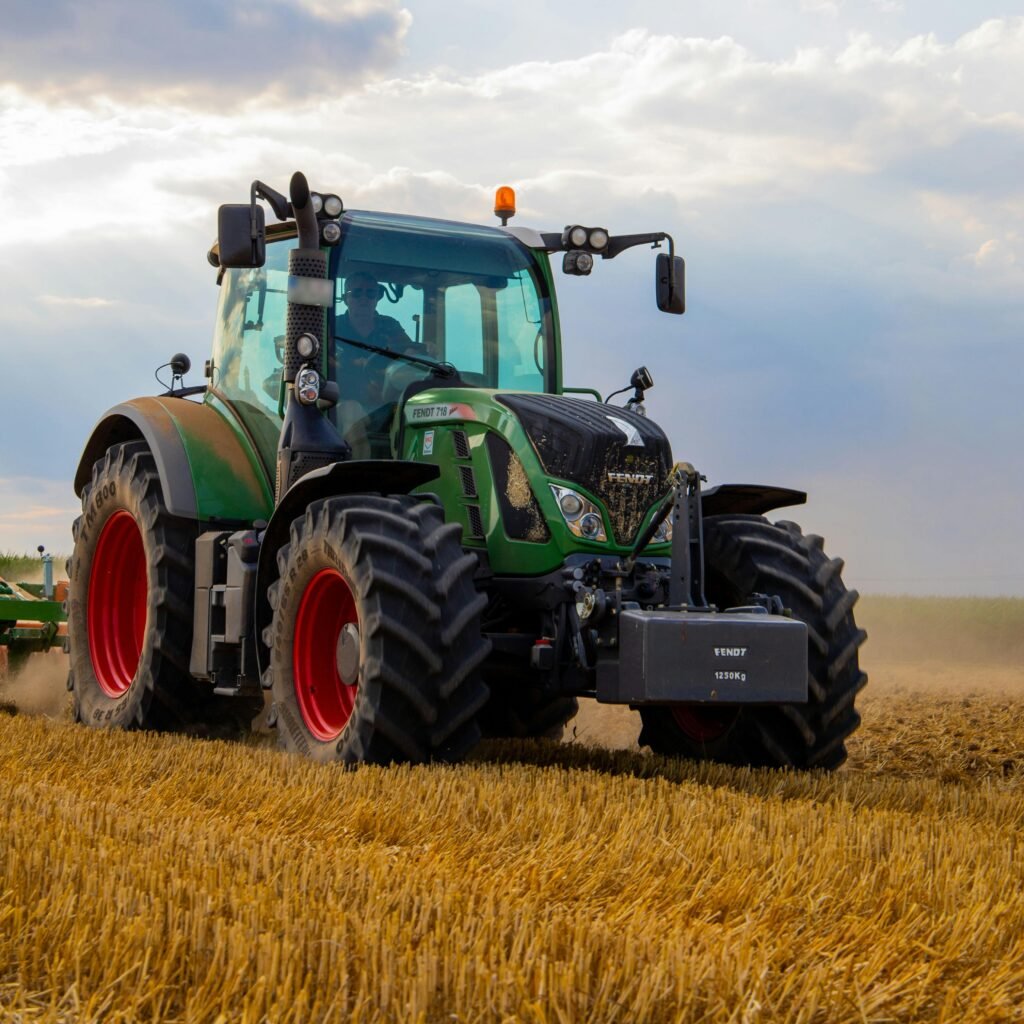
{"x": 439, "y": 292}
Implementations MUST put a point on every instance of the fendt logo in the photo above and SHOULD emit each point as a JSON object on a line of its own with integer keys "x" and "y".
{"x": 633, "y": 438}
{"x": 730, "y": 652}
{"x": 630, "y": 478}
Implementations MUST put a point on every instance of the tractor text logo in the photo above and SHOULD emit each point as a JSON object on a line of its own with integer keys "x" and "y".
{"x": 630, "y": 478}
{"x": 633, "y": 438}
{"x": 730, "y": 652}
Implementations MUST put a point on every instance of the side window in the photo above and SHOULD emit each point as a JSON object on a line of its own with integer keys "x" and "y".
{"x": 520, "y": 335}
{"x": 248, "y": 344}
{"x": 463, "y": 328}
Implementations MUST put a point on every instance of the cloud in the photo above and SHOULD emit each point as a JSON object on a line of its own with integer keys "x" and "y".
{"x": 88, "y": 302}
{"x": 195, "y": 51}
{"x": 36, "y": 511}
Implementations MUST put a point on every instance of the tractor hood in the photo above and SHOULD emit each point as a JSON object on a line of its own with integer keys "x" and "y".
{"x": 620, "y": 457}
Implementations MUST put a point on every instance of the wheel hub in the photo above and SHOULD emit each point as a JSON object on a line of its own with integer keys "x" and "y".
{"x": 347, "y": 656}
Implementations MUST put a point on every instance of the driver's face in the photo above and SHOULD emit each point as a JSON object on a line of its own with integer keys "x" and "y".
{"x": 363, "y": 294}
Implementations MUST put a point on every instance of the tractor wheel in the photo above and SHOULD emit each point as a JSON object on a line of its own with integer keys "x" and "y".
{"x": 130, "y": 607}
{"x": 375, "y": 642}
{"x": 746, "y": 555}
{"x": 524, "y": 712}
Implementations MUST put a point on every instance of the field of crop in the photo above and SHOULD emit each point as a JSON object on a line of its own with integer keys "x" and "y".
{"x": 158, "y": 878}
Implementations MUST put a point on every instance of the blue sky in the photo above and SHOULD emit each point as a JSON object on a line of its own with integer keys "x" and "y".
{"x": 844, "y": 180}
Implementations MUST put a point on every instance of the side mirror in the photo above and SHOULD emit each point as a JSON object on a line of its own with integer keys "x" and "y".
{"x": 670, "y": 283}
{"x": 241, "y": 235}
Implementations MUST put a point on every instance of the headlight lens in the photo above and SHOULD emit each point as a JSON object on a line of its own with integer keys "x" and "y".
{"x": 333, "y": 205}
{"x": 663, "y": 532}
{"x": 578, "y": 236}
{"x": 317, "y": 201}
{"x": 598, "y": 238}
{"x": 307, "y": 346}
{"x": 331, "y": 232}
{"x": 583, "y": 517}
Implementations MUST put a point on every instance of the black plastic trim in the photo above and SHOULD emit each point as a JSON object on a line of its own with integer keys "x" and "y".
{"x": 748, "y": 499}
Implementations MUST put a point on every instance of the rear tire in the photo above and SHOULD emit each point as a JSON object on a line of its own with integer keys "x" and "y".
{"x": 130, "y": 603}
{"x": 375, "y": 641}
{"x": 746, "y": 555}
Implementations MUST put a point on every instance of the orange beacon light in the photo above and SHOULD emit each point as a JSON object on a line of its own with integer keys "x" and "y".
{"x": 505, "y": 204}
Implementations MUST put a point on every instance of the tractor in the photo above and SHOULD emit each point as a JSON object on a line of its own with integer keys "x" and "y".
{"x": 386, "y": 509}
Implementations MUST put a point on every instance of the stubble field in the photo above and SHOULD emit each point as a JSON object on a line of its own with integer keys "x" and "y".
{"x": 159, "y": 878}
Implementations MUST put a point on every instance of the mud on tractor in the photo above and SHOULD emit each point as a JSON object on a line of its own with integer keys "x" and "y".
{"x": 402, "y": 524}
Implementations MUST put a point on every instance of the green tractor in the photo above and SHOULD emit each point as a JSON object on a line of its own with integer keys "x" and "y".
{"x": 385, "y": 509}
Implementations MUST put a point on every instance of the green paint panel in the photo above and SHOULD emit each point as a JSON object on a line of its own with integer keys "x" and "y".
{"x": 230, "y": 481}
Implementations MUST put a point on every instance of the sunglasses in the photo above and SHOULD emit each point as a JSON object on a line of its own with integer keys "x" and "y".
{"x": 367, "y": 293}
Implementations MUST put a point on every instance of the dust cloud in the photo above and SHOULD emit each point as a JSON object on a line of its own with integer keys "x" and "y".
{"x": 40, "y": 687}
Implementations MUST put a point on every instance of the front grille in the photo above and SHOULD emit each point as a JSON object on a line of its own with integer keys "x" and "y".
{"x": 520, "y": 513}
{"x": 579, "y": 441}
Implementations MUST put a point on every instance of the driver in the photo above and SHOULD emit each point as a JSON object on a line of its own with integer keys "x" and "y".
{"x": 360, "y": 373}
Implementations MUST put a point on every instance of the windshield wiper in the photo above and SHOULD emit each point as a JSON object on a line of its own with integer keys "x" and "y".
{"x": 441, "y": 369}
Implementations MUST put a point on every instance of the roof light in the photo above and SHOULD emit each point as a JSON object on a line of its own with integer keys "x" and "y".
{"x": 577, "y": 236}
{"x": 331, "y": 232}
{"x": 317, "y": 201}
{"x": 333, "y": 206}
{"x": 598, "y": 238}
{"x": 505, "y": 204}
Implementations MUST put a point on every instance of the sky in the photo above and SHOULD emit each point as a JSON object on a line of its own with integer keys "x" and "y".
{"x": 845, "y": 180}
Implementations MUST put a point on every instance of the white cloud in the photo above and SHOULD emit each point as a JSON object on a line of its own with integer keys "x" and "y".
{"x": 89, "y": 302}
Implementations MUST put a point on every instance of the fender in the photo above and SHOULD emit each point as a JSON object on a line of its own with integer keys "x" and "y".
{"x": 748, "y": 499}
{"x": 380, "y": 476}
{"x": 209, "y": 470}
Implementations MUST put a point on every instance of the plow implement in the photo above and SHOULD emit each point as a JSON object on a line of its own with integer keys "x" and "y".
{"x": 32, "y": 619}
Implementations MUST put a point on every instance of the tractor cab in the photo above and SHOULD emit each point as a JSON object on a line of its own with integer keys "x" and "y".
{"x": 412, "y": 300}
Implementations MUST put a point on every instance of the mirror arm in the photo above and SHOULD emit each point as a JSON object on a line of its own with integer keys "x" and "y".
{"x": 619, "y": 243}
{"x": 281, "y": 207}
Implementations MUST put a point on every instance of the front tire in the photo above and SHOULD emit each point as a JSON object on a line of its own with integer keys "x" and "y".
{"x": 746, "y": 555}
{"x": 375, "y": 642}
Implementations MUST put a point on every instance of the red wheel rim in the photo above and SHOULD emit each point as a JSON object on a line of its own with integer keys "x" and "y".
{"x": 325, "y": 700}
{"x": 703, "y": 724}
{"x": 117, "y": 603}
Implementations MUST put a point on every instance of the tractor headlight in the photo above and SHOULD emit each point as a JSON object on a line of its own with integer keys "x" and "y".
{"x": 331, "y": 232}
{"x": 307, "y": 386}
{"x": 317, "y": 201}
{"x": 333, "y": 205}
{"x": 581, "y": 516}
{"x": 307, "y": 345}
{"x": 664, "y": 532}
{"x": 578, "y": 237}
{"x": 598, "y": 238}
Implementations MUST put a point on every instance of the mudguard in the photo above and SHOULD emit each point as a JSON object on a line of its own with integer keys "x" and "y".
{"x": 380, "y": 476}
{"x": 748, "y": 499}
{"x": 209, "y": 470}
